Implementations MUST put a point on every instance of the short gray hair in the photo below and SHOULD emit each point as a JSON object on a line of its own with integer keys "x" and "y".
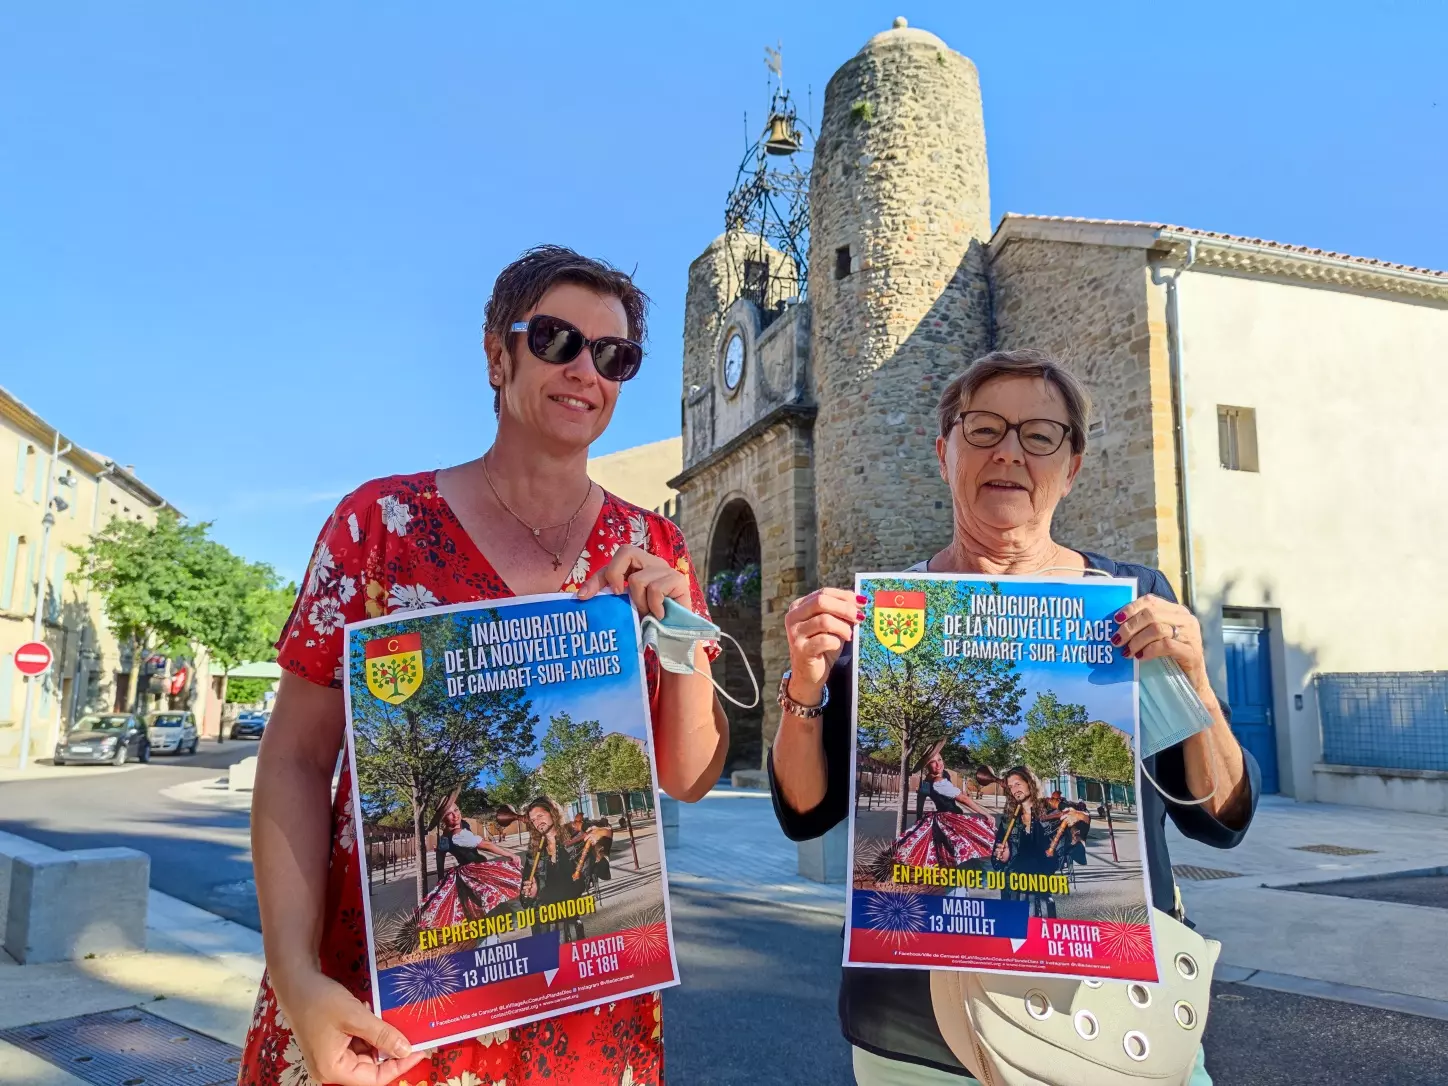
{"x": 1023, "y": 363}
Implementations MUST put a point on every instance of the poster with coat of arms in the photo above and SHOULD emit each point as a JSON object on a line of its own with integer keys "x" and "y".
{"x": 993, "y": 819}
{"x": 507, "y": 818}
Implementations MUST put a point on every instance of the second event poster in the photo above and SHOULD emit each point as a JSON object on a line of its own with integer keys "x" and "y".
{"x": 976, "y": 701}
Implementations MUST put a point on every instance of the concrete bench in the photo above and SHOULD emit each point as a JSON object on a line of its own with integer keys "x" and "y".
{"x": 241, "y": 777}
{"x": 56, "y": 906}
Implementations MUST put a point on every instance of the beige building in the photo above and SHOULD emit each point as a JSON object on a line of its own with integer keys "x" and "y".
{"x": 1268, "y": 429}
{"x": 641, "y": 474}
{"x": 91, "y": 670}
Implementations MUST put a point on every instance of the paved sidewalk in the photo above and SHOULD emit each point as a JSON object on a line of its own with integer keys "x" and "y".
{"x": 730, "y": 843}
{"x": 1358, "y": 951}
{"x": 198, "y": 971}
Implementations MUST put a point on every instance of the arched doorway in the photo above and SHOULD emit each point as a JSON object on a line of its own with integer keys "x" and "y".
{"x": 734, "y": 601}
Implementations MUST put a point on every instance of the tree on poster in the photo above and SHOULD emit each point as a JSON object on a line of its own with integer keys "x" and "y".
{"x": 911, "y": 700}
{"x": 428, "y": 745}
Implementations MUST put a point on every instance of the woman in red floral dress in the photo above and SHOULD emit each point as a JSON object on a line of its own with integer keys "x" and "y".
{"x": 561, "y": 334}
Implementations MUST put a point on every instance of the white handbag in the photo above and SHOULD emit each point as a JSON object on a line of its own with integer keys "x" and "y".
{"x": 1013, "y": 1030}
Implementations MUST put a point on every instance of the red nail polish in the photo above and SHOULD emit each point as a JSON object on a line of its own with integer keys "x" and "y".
{"x": 1116, "y": 639}
{"x": 1120, "y": 616}
{"x": 861, "y": 599}
{"x": 859, "y": 616}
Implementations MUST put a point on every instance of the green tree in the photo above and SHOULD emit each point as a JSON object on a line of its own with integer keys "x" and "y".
{"x": 993, "y": 746}
{"x": 246, "y": 691}
{"x": 151, "y": 580}
{"x": 914, "y": 699}
{"x": 512, "y": 784}
{"x": 1053, "y": 737}
{"x": 240, "y": 616}
{"x": 1104, "y": 754}
{"x": 567, "y": 748}
{"x": 618, "y": 764}
{"x": 422, "y": 749}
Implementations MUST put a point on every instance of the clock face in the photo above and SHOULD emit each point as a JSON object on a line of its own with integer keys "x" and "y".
{"x": 733, "y": 361}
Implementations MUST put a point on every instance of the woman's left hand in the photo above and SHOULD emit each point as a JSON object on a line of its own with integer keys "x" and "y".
{"x": 1150, "y": 626}
{"x": 646, "y": 578}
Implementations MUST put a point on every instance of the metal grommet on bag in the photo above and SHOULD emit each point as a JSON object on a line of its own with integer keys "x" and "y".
{"x": 1186, "y": 965}
{"x": 1086, "y": 1025}
{"x": 1139, "y": 994}
{"x": 1136, "y": 1045}
{"x": 1186, "y": 1014}
{"x": 1092, "y": 983}
{"x": 1038, "y": 1005}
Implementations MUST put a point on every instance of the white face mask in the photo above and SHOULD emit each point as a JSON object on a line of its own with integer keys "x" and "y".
{"x": 677, "y": 635}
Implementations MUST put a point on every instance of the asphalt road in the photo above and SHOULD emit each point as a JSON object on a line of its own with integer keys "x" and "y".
{"x": 200, "y": 854}
{"x": 757, "y": 1003}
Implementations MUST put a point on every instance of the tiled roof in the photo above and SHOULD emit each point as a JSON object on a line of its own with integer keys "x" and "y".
{"x": 1211, "y": 235}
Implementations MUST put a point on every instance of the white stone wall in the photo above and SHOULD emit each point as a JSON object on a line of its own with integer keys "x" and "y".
{"x": 1340, "y": 534}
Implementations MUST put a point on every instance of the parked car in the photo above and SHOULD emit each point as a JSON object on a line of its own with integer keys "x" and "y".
{"x": 173, "y": 731}
{"x": 249, "y": 725}
{"x": 104, "y": 737}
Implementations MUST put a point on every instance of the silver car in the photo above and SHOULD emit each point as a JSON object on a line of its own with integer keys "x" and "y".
{"x": 172, "y": 732}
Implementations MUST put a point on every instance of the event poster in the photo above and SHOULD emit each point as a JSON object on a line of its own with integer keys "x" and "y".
{"x": 977, "y": 701}
{"x": 509, "y": 845}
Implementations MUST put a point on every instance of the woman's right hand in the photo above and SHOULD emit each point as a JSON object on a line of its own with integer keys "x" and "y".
{"x": 816, "y": 628}
{"x": 341, "y": 1039}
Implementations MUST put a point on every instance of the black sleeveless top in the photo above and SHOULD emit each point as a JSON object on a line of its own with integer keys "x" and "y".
{"x": 889, "y": 1011}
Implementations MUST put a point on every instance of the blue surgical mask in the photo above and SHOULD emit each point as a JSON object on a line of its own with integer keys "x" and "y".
{"x": 1171, "y": 710}
{"x": 677, "y": 635}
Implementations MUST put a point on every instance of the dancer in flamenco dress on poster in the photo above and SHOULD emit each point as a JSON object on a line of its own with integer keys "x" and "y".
{"x": 486, "y": 875}
{"x": 948, "y": 836}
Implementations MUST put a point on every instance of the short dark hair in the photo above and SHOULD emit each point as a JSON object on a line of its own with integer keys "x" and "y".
{"x": 1026, "y": 362}
{"x": 520, "y": 285}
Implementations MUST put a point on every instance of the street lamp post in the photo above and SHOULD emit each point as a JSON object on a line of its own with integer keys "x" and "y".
{"x": 37, "y": 622}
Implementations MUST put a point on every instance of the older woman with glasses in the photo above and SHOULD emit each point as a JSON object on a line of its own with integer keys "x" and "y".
{"x": 562, "y": 335}
{"x": 1012, "y": 437}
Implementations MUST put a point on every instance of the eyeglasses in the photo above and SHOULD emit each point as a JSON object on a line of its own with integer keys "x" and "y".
{"x": 554, "y": 340}
{"x": 986, "y": 430}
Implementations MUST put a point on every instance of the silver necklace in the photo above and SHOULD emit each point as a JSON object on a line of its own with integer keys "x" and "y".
{"x": 557, "y": 555}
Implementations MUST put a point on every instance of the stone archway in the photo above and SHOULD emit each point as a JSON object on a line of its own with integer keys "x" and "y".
{"x": 734, "y": 593}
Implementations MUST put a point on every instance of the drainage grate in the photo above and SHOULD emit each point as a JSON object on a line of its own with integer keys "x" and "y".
{"x": 1336, "y": 850}
{"x": 129, "y": 1048}
{"x": 1201, "y": 874}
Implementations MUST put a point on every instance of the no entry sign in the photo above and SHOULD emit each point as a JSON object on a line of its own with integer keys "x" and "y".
{"x": 33, "y": 658}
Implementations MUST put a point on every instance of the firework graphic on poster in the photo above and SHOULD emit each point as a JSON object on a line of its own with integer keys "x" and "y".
{"x": 430, "y": 982}
{"x": 646, "y": 935}
{"x": 1125, "y": 934}
{"x": 899, "y": 917}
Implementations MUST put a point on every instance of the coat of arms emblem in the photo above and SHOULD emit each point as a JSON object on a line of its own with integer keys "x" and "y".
{"x": 394, "y": 667}
{"x": 899, "y": 619}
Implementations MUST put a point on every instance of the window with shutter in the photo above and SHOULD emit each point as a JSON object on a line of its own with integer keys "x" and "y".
{"x": 7, "y": 575}
{"x": 7, "y": 686}
{"x": 22, "y": 457}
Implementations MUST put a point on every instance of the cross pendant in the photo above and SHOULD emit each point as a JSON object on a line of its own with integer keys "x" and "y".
{"x": 557, "y": 562}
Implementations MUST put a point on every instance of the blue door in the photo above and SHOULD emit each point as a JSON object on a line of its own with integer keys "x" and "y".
{"x": 1249, "y": 690}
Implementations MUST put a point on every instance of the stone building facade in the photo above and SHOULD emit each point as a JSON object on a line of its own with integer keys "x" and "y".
{"x": 809, "y": 423}
{"x": 92, "y": 669}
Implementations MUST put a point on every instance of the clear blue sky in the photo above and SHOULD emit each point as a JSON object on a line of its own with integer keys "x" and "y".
{"x": 246, "y": 247}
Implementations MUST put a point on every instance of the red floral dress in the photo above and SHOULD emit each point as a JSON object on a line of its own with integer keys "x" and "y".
{"x": 394, "y": 545}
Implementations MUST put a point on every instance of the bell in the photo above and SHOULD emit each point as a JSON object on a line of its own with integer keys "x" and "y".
{"x": 783, "y": 138}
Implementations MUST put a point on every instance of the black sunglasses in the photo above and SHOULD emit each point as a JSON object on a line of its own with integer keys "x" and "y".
{"x": 554, "y": 340}
{"x": 986, "y": 430}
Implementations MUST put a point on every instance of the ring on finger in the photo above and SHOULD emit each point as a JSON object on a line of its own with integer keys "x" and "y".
{"x": 1175, "y": 632}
